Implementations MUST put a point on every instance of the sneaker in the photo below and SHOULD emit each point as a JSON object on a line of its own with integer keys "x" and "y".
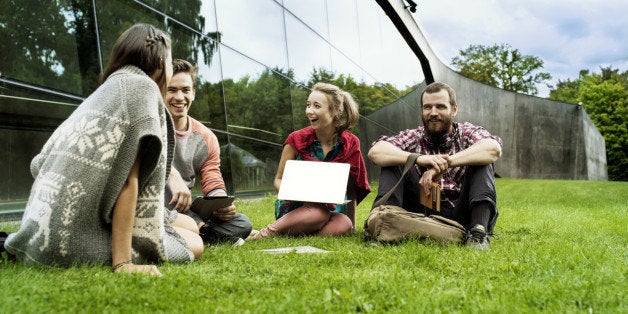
{"x": 478, "y": 239}
{"x": 238, "y": 242}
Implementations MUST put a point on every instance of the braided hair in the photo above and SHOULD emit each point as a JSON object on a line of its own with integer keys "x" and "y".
{"x": 143, "y": 46}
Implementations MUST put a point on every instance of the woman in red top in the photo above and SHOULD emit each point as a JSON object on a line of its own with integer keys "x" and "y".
{"x": 331, "y": 111}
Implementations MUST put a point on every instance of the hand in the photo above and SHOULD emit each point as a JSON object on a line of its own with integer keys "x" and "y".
{"x": 181, "y": 194}
{"x": 438, "y": 162}
{"x": 426, "y": 180}
{"x": 225, "y": 213}
{"x": 139, "y": 269}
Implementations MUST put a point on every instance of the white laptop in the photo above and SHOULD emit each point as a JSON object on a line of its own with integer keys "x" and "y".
{"x": 312, "y": 181}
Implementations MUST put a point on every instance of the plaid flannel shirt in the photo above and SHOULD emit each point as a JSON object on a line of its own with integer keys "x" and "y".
{"x": 464, "y": 135}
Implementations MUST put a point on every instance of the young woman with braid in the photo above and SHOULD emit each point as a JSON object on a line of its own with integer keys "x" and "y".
{"x": 331, "y": 111}
{"x": 99, "y": 183}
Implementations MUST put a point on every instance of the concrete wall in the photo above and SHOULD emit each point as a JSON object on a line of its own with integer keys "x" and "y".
{"x": 542, "y": 138}
{"x": 400, "y": 115}
{"x": 594, "y": 150}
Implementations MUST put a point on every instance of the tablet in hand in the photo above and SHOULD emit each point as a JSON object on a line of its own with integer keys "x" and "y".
{"x": 204, "y": 206}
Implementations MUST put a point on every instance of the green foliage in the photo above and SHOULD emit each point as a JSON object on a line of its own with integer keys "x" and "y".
{"x": 557, "y": 250}
{"x": 53, "y": 43}
{"x": 269, "y": 107}
{"x": 369, "y": 97}
{"x": 501, "y": 66}
{"x": 604, "y": 96}
{"x": 257, "y": 107}
{"x": 37, "y": 45}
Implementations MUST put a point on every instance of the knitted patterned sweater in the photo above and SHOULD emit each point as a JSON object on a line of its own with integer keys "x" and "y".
{"x": 81, "y": 170}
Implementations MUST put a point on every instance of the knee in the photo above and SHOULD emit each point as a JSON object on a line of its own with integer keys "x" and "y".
{"x": 239, "y": 226}
{"x": 390, "y": 174}
{"x": 197, "y": 248}
{"x": 343, "y": 222}
{"x": 193, "y": 241}
{"x": 482, "y": 184}
{"x": 185, "y": 222}
{"x": 242, "y": 222}
{"x": 315, "y": 215}
{"x": 482, "y": 173}
{"x": 339, "y": 224}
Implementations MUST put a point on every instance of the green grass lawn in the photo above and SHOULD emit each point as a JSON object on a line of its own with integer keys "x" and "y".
{"x": 561, "y": 247}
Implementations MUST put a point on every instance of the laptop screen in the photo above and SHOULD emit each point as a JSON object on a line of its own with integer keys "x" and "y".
{"x": 313, "y": 181}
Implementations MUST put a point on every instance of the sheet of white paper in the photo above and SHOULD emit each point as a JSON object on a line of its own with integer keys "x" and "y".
{"x": 295, "y": 249}
{"x": 312, "y": 181}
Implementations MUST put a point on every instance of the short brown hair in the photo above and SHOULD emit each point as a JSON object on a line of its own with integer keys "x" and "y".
{"x": 437, "y": 87}
{"x": 183, "y": 66}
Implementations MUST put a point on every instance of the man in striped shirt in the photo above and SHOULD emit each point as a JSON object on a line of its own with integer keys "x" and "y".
{"x": 458, "y": 156}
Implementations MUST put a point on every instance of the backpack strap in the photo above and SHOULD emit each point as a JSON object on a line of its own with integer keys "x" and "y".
{"x": 409, "y": 163}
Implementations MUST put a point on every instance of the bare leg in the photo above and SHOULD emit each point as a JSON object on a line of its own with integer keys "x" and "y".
{"x": 308, "y": 219}
{"x": 339, "y": 224}
{"x": 185, "y": 222}
{"x": 193, "y": 240}
{"x": 186, "y": 227}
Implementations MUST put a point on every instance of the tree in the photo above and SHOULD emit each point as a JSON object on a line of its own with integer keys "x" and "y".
{"x": 501, "y": 66}
{"x": 369, "y": 97}
{"x": 52, "y": 43}
{"x": 37, "y": 46}
{"x": 604, "y": 96}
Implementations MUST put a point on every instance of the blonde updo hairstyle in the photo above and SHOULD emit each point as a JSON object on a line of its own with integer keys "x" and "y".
{"x": 341, "y": 105}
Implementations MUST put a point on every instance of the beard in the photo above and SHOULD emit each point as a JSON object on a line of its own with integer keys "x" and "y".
{"x": 437, "y": 127}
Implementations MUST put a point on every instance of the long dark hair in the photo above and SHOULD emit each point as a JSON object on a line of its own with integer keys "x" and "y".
{"x": 143, "y": 46}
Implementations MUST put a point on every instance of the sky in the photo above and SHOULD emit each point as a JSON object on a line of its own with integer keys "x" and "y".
{"x": 567, "y": 35}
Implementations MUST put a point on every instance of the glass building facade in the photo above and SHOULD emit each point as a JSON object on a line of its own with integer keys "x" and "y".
{"x": 256, "y": 59}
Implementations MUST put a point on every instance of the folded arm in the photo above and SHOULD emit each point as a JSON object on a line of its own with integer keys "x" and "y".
{"x": 485, "y": 151}
{"x": 385, "y": 154}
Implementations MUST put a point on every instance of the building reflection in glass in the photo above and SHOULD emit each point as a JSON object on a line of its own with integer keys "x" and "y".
{"x": 256, "y": 60}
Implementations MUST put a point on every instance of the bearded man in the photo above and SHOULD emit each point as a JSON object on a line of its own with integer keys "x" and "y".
{"x": 457, "y": 156}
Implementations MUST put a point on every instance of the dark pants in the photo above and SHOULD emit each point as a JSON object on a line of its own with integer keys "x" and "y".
{"x": 240, "y": 226}
{"x": 478, "y": 186}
